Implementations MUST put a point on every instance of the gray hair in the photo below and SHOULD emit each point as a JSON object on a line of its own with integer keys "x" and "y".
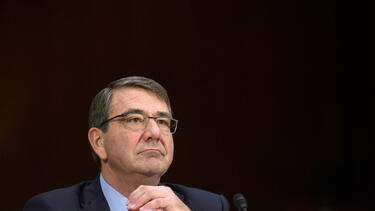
{"x": 100, "y": 107}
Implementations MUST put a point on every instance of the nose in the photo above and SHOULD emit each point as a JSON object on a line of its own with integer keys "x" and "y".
{"x": 152, "y": 130}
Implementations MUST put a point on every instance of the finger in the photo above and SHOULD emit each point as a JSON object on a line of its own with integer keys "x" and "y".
{"x": 152, "y": 193}
{"x": 149, "y": 193}
{"x": 156, "y": 204}
{"x": 154, "y": 210}
{"x": 135, "y": 195}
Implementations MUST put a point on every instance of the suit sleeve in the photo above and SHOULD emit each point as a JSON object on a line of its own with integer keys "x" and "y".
{"x": 224, "y": 203}
{"x": 38, "y": 203}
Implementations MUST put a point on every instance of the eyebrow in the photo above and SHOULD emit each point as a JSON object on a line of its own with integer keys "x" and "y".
{"x": 163, "y": 114}
{"x": 133, "y": 111}
{"x": 139, "y": 111}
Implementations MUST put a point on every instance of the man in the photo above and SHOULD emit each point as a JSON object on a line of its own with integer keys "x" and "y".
{"x": 131, "y": 127}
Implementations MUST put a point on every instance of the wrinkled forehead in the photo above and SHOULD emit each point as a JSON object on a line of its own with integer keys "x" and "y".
{"x": 127, "y": 98}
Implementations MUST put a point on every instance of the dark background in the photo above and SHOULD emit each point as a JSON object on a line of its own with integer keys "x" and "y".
{"x": 274, "y": 98}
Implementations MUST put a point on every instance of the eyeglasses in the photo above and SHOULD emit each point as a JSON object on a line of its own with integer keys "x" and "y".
{"x": 139, "y": 121}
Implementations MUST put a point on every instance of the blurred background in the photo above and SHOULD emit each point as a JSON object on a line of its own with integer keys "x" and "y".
{"x": 274, "y": 98}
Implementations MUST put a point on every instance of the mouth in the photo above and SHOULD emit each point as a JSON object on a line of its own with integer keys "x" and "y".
{"x": 151, "y": 150}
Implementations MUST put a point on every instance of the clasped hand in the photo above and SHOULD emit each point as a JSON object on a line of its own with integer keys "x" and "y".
{"x": 160, "y": 198}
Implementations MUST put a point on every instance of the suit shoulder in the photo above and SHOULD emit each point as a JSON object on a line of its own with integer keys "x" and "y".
{"x": 198, "y": 199}
{"x": 67, "y": 198}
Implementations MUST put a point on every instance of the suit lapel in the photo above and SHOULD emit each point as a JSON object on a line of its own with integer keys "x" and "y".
{"x": 92, "y": 197}
{"x": 179, "y": 195}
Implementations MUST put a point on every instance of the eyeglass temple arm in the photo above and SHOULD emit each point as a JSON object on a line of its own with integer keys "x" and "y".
{"x": 106, "y": 121}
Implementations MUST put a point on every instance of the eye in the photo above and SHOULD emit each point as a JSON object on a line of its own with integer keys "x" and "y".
{"x": 134, "y": 118}
{"x": 163, "y": 121}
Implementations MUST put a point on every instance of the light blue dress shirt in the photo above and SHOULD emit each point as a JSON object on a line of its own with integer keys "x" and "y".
{"x": 116, "y": 201}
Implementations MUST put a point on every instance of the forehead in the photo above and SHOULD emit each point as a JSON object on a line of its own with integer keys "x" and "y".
{"x": 127, "y": 98}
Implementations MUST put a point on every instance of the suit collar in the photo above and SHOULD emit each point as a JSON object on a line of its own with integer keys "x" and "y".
{"x": 179, "y": 195}
{"x": 92, "y": 197}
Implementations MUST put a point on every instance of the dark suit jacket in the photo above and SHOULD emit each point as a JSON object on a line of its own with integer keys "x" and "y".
{"x": 88, "y": 196}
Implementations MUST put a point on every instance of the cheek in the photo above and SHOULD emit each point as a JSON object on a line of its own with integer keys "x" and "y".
{"x": 170, "y": 152}
{"x": 170, "y": 147}
{"x": 119, "y": 144}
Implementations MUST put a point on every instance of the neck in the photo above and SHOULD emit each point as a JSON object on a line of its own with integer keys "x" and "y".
{"x": 127, "y": 183}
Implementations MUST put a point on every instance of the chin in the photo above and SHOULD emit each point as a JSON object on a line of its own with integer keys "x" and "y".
{"x": 154, "y": 170}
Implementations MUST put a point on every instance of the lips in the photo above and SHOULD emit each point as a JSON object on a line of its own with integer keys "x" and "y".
{"x": 151, "y": 150}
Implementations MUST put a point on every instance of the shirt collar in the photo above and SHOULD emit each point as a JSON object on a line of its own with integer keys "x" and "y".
{"x": 116, "y": 201}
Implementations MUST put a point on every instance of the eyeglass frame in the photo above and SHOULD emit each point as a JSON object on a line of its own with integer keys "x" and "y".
{"x": 142, "y": 113}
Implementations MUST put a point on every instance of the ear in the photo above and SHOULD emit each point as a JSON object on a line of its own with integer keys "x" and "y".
{"x": 96, "y": 139}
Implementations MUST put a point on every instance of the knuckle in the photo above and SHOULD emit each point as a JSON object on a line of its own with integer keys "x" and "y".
{"x": 143, "y": 188}
{"x": 154, "y": 204}
{"x": 147, "y": 188}
{"x": 146, "y": 194}
{"x": 167, "y": 189}
{"x": 158, "y": 202}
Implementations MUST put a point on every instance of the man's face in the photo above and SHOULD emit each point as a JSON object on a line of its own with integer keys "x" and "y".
{"x": 149, "y": 151}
